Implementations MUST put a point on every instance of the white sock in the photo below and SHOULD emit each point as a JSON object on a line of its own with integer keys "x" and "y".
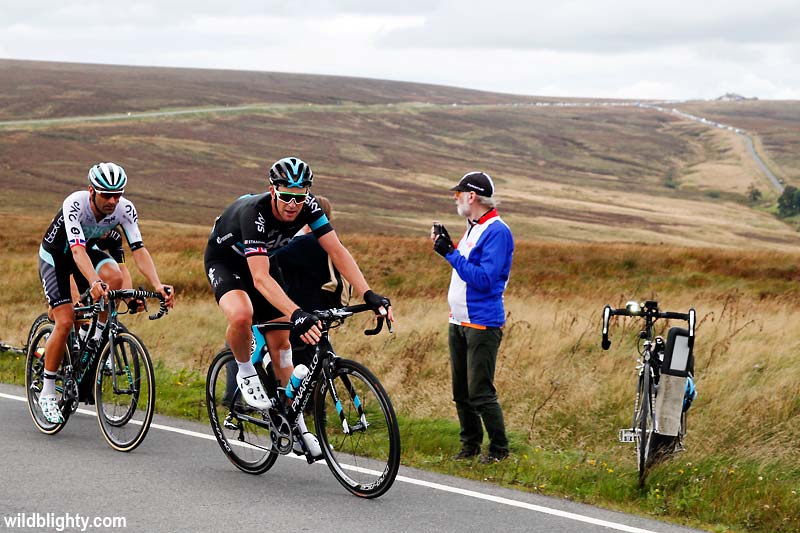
{"x": 49, "y": 385}
{"x": 99, "y": 331}
{"x": 301, "y": 424}
{"x": 246, "y": 369}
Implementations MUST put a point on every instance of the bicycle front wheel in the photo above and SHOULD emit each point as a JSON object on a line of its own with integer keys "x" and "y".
{"x": 357, "y": 429}
{"x": 34, "y": 377}
{"x": 644, "y": 422}
{"x": 125, "y": 392}
{"x": 246, "y": 444}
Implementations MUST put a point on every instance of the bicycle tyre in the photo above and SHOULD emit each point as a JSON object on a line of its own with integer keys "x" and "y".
{"x": 644, "y": 423}
{"x": 34, "y": 371}
{"x": 246, "y": 445}
{"x": 125, "y": 411}
{"x": 37, "y": 322}
{"x": 372, "y": 449}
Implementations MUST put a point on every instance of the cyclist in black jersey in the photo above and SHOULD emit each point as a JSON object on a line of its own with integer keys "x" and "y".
{"x": 67, "y": 248}
{"x": 238, "y": 269}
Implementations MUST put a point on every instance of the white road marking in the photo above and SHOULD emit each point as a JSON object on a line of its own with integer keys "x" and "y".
{"x": 435, "y": 486}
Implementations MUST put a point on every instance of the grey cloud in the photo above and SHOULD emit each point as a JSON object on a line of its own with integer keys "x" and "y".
{"x": 54, "y": 14}
{"x": 600, "y": 26}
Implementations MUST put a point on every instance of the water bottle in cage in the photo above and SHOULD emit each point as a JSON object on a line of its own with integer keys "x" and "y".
{"x": 299, "y": 373}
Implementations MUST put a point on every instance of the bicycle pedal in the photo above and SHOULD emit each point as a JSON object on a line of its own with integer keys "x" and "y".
{"x": 627, "y": 435}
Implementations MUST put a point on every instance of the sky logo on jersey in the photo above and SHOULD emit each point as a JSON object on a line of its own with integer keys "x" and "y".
{"x": 77, "y": 242}
{"x": 255, "y": 250}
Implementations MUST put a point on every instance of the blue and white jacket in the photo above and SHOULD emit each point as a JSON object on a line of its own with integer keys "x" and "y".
{"x": 481, "y": 265}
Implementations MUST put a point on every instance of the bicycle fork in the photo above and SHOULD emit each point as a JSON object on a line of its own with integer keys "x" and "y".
{"x": 630, "y": 435}
{"x": 362, "y": 424}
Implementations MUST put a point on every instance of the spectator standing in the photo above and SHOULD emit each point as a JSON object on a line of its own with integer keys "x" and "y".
{"x": 481, "y": 264}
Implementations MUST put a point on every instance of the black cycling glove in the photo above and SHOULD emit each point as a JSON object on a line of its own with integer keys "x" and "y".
{"x": 376, "y": 301}
{"x": 443, "y": 245}
{"x": 302, "y": 322}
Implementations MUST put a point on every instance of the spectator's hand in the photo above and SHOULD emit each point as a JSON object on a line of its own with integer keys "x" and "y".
{"x": 306, "y": 326}
{"x": 443, "y": 245}
{"x": 168, "y": 292}
{"x": 438, "y": 229}
{"x": 380, "y": 304}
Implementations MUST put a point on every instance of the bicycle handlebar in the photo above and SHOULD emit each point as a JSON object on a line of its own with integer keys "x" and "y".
{"x": 329, "y": 315}
{"x": 650, "y": 312}
{"x": 128, "y": 293}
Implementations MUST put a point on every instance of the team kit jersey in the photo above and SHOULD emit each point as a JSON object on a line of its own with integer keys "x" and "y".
{"x": 248, "y": 228}
{"x": 481, "y": 266}
{"x": 111, "y": 242}
{"x": 76, "y": 225}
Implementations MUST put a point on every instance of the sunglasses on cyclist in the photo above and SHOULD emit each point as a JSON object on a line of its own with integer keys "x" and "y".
{"x": 287, "y": 197}
{"x": 110, "y": 195}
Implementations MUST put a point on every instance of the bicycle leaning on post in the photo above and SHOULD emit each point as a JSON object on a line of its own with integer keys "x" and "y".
{"x": 354, "y": 418}
{"x": 116, "y": 375}
{"x": 665, "y": 386}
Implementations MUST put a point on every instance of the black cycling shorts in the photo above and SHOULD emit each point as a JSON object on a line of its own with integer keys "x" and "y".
{"x": 226, "y": 274}
{"x": 55, "y": 270}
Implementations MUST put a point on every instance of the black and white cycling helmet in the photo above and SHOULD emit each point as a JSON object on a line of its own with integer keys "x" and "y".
{"x": 291, "y": 172}
{"x": 108, "y": 177}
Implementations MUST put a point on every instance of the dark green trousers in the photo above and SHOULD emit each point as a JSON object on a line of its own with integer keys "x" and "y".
{"x": 473, "y": 355}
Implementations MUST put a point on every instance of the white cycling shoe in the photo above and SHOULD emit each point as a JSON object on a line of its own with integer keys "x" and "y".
{"x": 50, "y": 410}
{"x": 312, "y": 445}
{"x": 253, "y": 392}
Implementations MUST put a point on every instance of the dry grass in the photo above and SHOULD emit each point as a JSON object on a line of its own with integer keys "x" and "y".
{"x": 557, "y": 386}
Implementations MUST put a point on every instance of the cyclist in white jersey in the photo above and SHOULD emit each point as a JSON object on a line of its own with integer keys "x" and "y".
{"x": 67, "y": 249}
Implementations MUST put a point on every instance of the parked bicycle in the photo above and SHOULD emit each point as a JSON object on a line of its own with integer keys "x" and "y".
{"x": 665, "y": 386}
{"x": 116, "y": 375}
{"x": 354, "y": 418}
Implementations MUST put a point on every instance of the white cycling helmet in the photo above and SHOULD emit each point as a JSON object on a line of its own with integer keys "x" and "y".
{"x": 108, "y": 177}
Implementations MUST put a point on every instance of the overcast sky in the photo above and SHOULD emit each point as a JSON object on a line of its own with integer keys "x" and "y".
{"x": 679, "y": 49}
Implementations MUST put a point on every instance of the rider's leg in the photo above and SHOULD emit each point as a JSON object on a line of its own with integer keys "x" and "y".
{"x": 280, "y": 352}
{"x": 64, "y": 317}
{"x": 238, "y": 311}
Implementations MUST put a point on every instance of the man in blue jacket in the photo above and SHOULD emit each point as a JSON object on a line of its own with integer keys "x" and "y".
{"x": 481, "y": 264}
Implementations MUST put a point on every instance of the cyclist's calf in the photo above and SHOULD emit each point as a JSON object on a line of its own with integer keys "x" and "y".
{"x": 64, "y": 318}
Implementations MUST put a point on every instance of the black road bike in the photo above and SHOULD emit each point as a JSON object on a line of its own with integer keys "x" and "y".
{"x": 353, "y": 416}
{"x": 655, "y": 357}
{"x": 116, "y": 374}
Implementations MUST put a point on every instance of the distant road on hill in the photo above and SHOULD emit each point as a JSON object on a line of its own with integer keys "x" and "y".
{"x": 775, "y": 181}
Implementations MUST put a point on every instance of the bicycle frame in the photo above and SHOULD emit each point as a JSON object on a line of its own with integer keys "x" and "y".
{"x": 322, "y": 363}
{"x": 85, "y": 359}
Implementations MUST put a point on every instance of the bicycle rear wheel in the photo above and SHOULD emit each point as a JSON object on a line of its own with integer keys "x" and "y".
{"x": 125, "y": 392}
{"x": 357, "y": 429}
{"x": 644, "y": 422}
{"x": 247, "y": 445}
{"x": 37, "y": 323}
{"x": 34, "y": 377}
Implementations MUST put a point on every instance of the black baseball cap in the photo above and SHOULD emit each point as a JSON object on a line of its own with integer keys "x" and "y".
{"x": 478, "y": 182}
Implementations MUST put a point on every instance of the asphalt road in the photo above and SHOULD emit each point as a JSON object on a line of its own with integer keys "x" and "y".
{"x": 179, "y": 480}
{"x": 760, "y": 162}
